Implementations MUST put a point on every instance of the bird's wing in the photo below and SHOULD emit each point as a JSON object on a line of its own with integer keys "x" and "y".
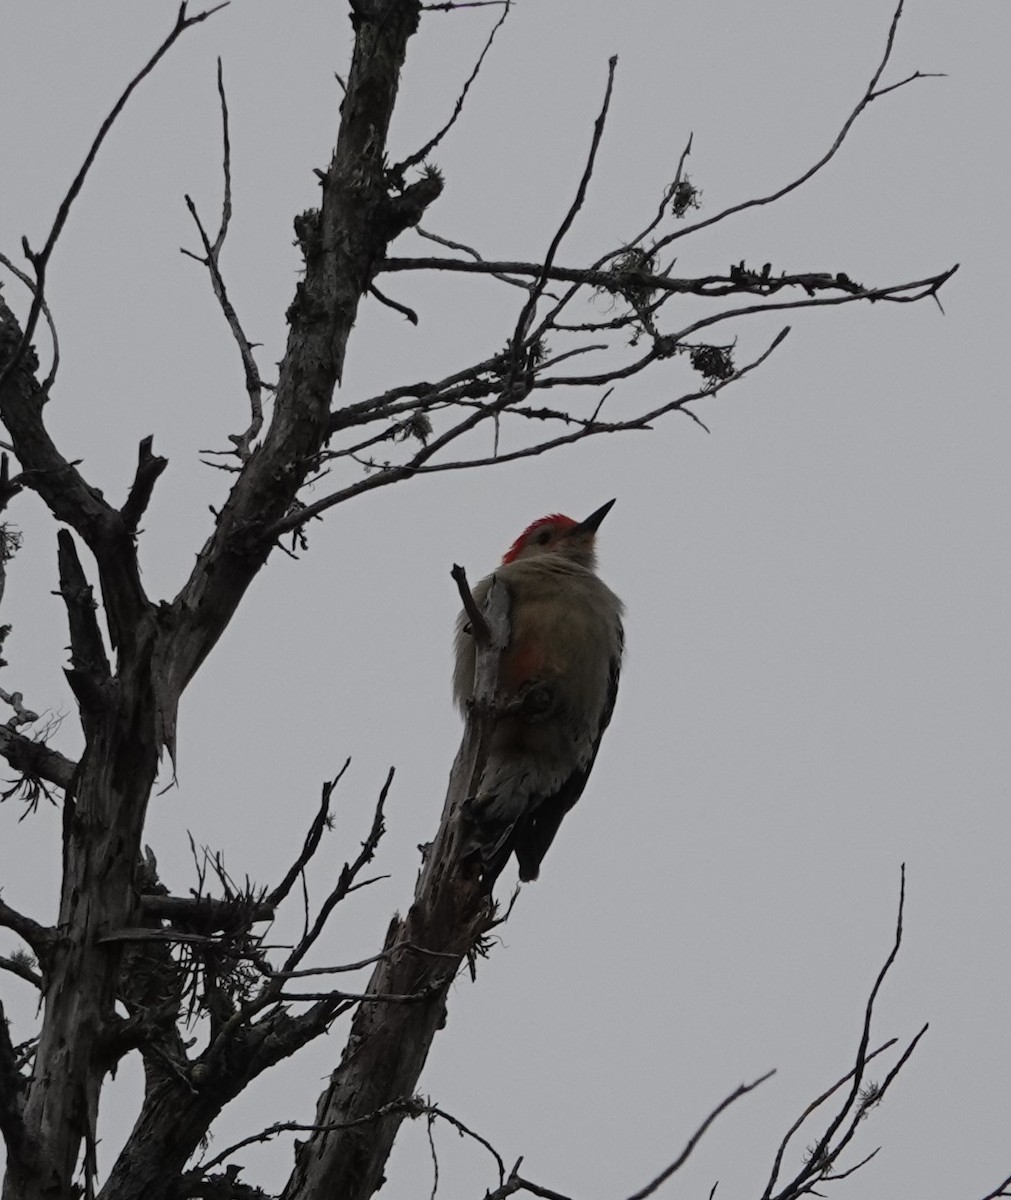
{"x": 534, "y": 833}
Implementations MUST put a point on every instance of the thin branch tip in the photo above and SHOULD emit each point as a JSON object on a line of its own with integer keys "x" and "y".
{"x": 479, "y": 629}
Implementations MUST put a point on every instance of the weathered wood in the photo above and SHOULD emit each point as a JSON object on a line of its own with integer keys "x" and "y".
{"x": 388, "y": 1044}
{"x": 129, "y": 713}
{"x": 105, "y": 803}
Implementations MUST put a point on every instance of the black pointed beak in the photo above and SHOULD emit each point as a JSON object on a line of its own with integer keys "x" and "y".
{"x": 592, "y": 522}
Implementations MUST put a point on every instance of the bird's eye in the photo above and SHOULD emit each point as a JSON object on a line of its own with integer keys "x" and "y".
{"x": 544, "y": 537}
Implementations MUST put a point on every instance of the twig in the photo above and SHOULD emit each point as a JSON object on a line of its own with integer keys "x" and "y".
{"x": 478, "y": 625}
{"x": 226, "y": 166}
{"x": 574, "y": 353}
{"x": 900, "y": 293}
{"x": 435, "y": 1157}
{"x": 306, "y": 512}
{"x": 451, "y": 245}
{"x": 453, "y": 5}
{"x": 696, "y": 1137}
{"x": 377, "y": 407}
{"x": 420, "y": 155}
{"x": 312, "y": 839}
{"x": 40, "y": 259}
{"x": 414, "y": 1107}
{"x": 667, "y": 196}
{"x": 516, "y": 1183}
{"x": 852, "y": 1170}
{"x": 551, "y": 317}
{"x": 870, "y": 94}
{"x": 823, "y": 1154}
{"x": 346, "y": 880}
{"x": 735, "y": 283}
{"x": 1002, "y": 1189}
{"x": 434, "y": 985}
{"x": 342, "y": 969}
{"x": 815, "y": 1104}
{"x": 242, "y": 441}
{"x": 544, "y": 274}
{"x": 403, "y": 309}
{"x": 433, "y": 1110}
{"x": 392, "y": 474}
{"x": 254, "y": 384}
{"x": 860, "y": 1111}
{"x": 416, "y": 416}
{"x": 861, "y": 1059}
{"x": 892, "y": 87}
{"x": 28, "y": 282}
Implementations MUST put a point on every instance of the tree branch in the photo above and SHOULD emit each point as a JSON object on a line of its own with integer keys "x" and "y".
{"x": 149, "y": 467}
{"x": 69, "y": 497}
{"x": 696, "y": 1137}
{"x": 816, "y": 1103}
{"x": 205, "y": 912}
{"x": 36, "y": 759}
{"x": 40, "y": 260}
{"x": 39, "y": 937}
{"x": 349, "y": 242}
{"x": 479, "y": 630}
{"x": 22, "y": 969}
{"x": 419, "y": 466}
{"x": 420, "y": 155}
{"x": 254, "y": 387}
{"x": 871, "y": 93}
{"x": 823, "y": 1155}
{"x": 545, "y": 271}
{"x": 738, "y": 281}
{"x": 345, "y": 881}
{"x": 312, "y": 839}
{"x": 387, "y": 1046}
{"x": 31, "y": 286}
{"x": 89, "y": 674}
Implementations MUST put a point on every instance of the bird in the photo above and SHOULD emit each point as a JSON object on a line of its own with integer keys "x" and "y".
{"x": 558, "y": 680}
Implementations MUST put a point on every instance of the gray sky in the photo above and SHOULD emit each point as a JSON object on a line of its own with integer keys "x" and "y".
{"x": 816, "y": 687}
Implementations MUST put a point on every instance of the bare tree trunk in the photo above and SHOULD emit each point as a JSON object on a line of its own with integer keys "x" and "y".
{"x": 102, "y": 828}
{"x": 104, "y": 810}
{"x": 371, "y": 1091}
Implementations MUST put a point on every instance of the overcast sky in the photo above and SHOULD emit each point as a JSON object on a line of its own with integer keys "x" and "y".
{"x": 816, "y": 687}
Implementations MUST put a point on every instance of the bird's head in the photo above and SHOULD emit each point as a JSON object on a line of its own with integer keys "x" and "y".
{"x": 557, "y": 534}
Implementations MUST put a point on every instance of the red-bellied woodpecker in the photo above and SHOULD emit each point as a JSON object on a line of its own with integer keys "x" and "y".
{"x": 557, "y": 684}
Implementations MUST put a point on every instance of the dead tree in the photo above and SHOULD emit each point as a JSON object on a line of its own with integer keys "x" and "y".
{"x": 120, "y": 939}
